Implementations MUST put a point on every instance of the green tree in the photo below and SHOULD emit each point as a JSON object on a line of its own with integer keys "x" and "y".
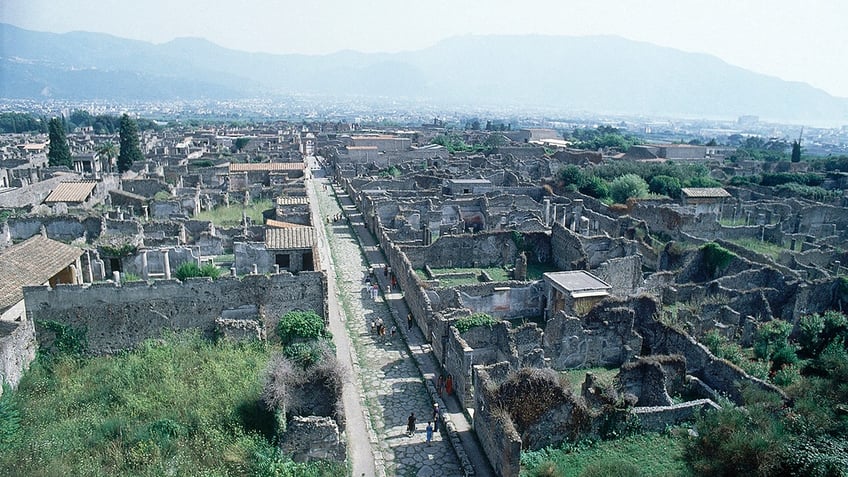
{"x": 109, "y": 151}
{"x": 796, "y": 151}
{"x": 595, "y": 187}
{"x": 130, "y": 150}
{"x": 572, "y": 177}
{"x": 627, "y": 186}
{"x": 59, "y": 153}
{"x": 240, "y": 143}
{"x": 665, "y": 185}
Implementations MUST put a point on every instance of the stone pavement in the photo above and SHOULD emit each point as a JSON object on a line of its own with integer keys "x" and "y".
{"x": 391, "y": 385}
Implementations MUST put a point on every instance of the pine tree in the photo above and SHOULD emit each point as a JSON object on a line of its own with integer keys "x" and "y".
{"x": 130, "y": 150}
{"x": 59, "y": 153}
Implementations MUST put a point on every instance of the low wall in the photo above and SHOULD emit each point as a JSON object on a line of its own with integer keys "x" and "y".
{"x": 120, "y": 317}
{"x": 17, "y": 350}
{"x": 657, "y": 419}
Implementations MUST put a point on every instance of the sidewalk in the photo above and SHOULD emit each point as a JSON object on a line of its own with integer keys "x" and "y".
{"x": 459, "y": 432}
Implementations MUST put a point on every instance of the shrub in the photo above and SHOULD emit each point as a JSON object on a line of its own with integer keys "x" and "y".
{"x": 192, "y": 270}
{"x": 738, "y": 441}
{"x": 722, "y": 347}
{"x": 301, "y": 326}
{"x": 595, "y": 187}
{"x": 10, "y": 419}
{"x": 716, "y": 257}
{"x": 701, "y": 181}
{"x": 305, "y": 354}
{"x": 626, "y": 187}
{"x": 67, "y": 341}
{"x": 772, "y": 344}
{"x": 572, "y": 175}
{"x": 477, "y": 319}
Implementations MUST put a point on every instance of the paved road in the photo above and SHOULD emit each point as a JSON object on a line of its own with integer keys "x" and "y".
{"x": 387, "y": 370}
{"x": 389, "y": 384}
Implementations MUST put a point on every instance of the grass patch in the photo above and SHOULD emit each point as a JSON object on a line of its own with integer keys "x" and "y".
{"x": 177, "y": 406}
{"x": 647, "y": 454}
{"x": 231, "y": 216}
{"x": 577, "y": 376}
{"x": 764, "y": 248}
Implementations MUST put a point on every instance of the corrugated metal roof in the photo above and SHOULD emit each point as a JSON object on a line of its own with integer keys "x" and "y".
{"x": 32, "y": 262}
{"x": 267, "y": 166}
{"x": 289, "y": 238}
{"x": 705, "y": 192}
{"x": 71, "y": 191}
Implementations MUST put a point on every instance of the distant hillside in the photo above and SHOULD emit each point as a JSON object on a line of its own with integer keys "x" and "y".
{"x": 596, "y": 74}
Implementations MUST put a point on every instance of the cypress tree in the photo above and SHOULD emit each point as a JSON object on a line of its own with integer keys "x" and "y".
{"x": 130, "y": 151}
{"x": 796, "y": 151}
{"x": 59, "y": 153}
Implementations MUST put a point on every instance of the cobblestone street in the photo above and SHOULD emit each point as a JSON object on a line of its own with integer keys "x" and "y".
{"x": 391, "y": 385}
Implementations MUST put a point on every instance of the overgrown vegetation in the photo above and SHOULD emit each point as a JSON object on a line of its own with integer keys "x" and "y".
{"x": 232, "y": 216}
{"x": 648, "y": 454}
{"x": 663, "y": 179}
{"x": 176, "y": 406}
{"x": 301, "y": 326}
{"x": 716, "y": 257}
{"x": 193, "y": 270}
{"x": 807, "y": 435}
{"x": 472, "y": 321}
{"x": 602, "y": 137}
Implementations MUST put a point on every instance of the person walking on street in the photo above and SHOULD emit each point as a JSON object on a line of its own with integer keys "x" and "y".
{"x": 410, "y": 424}
{"x": 449, "y": 385}
{"x": 429, "y": 433}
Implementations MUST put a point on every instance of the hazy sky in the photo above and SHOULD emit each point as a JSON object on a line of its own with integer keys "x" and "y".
{"x": 794, "y": 40}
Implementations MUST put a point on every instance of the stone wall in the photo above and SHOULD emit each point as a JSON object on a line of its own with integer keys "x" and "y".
{"x": 508, "y": 300}
{"x": 17, "y": 350}
{"x": 120, "y": 317}
{"x": 567, "y": 249}
{"x": 604, "y": 337}
{"x": 64, "y": 228}
{"x": 312, "y": 438}
{"x": 657, "y": 419}
{"x": 720, "y": 375}
{"x": 145, "y": 187}
{"x": 623, "y": 274}
{"x": 490, "y": 249}
{"x": 498, "y": 437}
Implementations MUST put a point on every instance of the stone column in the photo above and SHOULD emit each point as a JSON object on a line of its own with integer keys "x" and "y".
{"x": 89, "y": 274}
{"x": 167, "y": 265}
{"x": 547, "y": 212}
{"x": 145, "y": 272}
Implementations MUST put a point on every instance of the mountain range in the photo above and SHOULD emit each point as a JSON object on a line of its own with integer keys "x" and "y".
{"x": 601, "y": 74}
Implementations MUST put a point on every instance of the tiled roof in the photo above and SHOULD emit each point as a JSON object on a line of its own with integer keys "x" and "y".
{"x": 293, "y": 200}
{"x": 289, "y": 238}
{"x": 71, "y": 191}
{"x": 32, "y": 262}
{"x": 705, "y": 192}
{"x": 279, "y": 224}
{"x": 267, "y": 166}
